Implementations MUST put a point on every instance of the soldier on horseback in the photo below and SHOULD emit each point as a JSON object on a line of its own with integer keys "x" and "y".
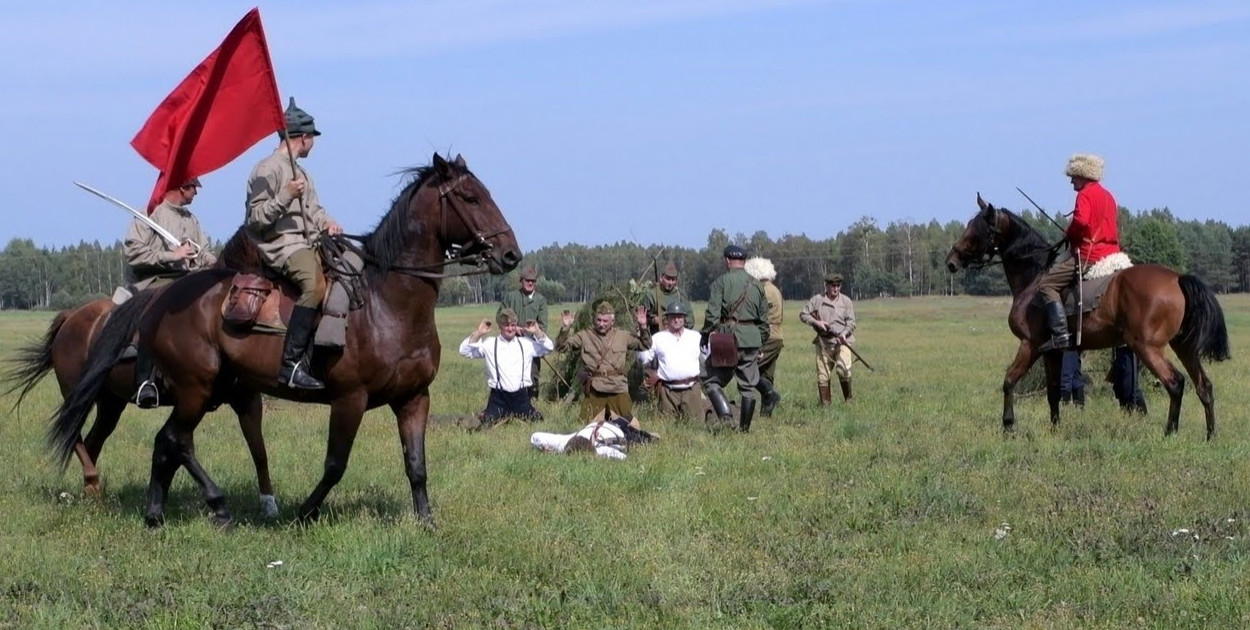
{"x": 284, "y": 219}
{"x": 1092, "y": 234}
{"x": 152, "y": 262}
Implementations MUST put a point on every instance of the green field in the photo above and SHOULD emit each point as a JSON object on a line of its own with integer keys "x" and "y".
{"x": 907, "y": 508}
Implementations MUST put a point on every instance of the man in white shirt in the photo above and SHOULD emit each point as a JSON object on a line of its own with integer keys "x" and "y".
{"x": 676, "y": 349}
{"x": 509, "y": 359}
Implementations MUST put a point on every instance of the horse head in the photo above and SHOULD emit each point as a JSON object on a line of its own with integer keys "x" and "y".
{"x": 475, "y": 229}
{"x": 982, "y": 238}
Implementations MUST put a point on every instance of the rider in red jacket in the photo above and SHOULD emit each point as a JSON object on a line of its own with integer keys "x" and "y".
{"x": 1092, "y": 235}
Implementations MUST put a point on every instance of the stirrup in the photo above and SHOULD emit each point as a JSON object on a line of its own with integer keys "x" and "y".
{"x": 1063, "y": 342}
{"x": 152, "y": 400}
{"x": 298, "y": 371}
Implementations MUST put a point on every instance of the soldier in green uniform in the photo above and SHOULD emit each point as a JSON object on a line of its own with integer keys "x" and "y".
{"x": 152, "y": 262}
{"x": 668, "y": 294}
{"x": 737, "y": 305}
{"x": 606, "y": 352}
{"x": 529, "y": 306}
{"x": 284, "y": 219}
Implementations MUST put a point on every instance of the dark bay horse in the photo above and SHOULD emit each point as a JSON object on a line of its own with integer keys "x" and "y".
{"x": 1147, "y": 307}
{"x": 63, "y": 351}
{"x": 390, "y": 358}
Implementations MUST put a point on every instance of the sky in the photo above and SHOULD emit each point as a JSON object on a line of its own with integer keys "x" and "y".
{"x": 653, "y": 121}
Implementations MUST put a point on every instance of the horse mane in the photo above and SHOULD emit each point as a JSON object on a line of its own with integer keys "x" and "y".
{"x": 387, "y": 242}
{"x": 1026, "y": 243}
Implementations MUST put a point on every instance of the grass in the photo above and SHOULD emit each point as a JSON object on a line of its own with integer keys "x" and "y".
{"x": 905, "y": 509}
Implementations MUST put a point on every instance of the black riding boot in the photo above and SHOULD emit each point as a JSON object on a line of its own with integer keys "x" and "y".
{"x": 770, "y": 396}
{"x": 720, "y": 406}
{"x": 846, "y": 390}
{"x": 1058, "y": 320}
{"x": 147, "y": 396}
{"x": 1078, "y": 397}
{"x": 746, "y": 414}
{"x": 294, "y": 370}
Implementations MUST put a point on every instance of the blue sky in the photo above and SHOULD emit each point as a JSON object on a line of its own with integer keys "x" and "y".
{"x": 654, "y": 120}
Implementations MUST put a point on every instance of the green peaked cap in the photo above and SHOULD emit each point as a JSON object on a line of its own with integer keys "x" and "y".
{"x": 298, "y": 122}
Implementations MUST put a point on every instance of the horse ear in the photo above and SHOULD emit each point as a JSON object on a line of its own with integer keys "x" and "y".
{"x": 459, "y": 161}
{"x": 440, "y": 165}
{"x": 981, "y": 202}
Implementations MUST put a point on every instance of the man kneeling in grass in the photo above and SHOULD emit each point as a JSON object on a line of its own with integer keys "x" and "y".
{"x": 509, "y": 360}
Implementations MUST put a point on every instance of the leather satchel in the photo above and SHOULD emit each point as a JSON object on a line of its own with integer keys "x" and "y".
{"x": 243, "y": 302}
{"x": 722, "y": 350}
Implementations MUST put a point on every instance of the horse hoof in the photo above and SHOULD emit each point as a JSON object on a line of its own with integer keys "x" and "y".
{"x": 269, "y": 506}
{"x": 309, "y": 517}
{"x": 222, "y": 520}
{"x": 154, "y": 521}
{"x": 93, "y": 489}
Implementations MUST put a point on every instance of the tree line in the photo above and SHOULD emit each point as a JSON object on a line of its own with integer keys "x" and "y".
{"x": 900, "y": 260}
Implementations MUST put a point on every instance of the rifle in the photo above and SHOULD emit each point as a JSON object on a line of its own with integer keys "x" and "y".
{"x": 828, "y": 333}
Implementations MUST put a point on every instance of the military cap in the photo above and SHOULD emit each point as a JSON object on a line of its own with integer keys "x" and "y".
{"x": 735, "y": 252}
{"x": 675, "y": 308}
{"x": 194, "y": 181}
{"x": 298, "y": 122}
{"x": 670, "y": 269}
{"x": 530, "y": 273}
{"x": 605, "y": 308}
{"x": 833, "y": 278}
{"x": 506, "y": 316}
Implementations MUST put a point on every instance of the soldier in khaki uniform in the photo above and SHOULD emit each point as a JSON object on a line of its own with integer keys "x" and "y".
{"x": 832, "y": 315}
{"x": 606, "y": 352}
{"x": 737, "y": 305}
{"x": 529, "y": 306}
{"x": 669, "y": 293}
{"x": 762, "y": 270}
{"x": 285, "y": 218}
{"x": 152, "y": 262}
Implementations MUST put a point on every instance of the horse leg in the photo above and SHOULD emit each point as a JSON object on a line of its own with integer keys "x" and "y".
{"x": 345, "y": 416}
{"x": 248, "y": 406}
{"x": 1053, "y": 361}
{"x": 412, "y": 416}
{"x": 108, "y": 410}
{"x": 1171, "y": 378}
{"x": 174, "y": 446}
{"x": 1025, "y": 357}
{"x": 1202, "y": 385}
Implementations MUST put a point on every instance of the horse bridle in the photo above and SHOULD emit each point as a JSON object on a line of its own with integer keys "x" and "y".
{"x": 987, "y": 257}
{"x": 481, "y": 243}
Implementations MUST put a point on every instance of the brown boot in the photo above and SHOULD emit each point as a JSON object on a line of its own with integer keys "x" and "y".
{"x": 846, "y": 390}
{"x": 825, "y": 397}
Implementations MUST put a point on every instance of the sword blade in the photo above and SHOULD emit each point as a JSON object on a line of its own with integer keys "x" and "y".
{"x": 156, "y": 227}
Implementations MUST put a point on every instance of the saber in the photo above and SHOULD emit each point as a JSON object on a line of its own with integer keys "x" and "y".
{"x": 156, "y": 227}
{"x": 1039, "y": 209}
{"x": 858, "y": 356}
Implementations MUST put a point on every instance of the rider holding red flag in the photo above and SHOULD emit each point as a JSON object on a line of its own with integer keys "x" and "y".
{"x": 1092, "y": 235}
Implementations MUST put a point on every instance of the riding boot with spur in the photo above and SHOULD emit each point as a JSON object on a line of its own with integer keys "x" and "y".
{"x": 826, "y": 398}
{"x": 1058, "y": 320}
{"x": 147, "y": 396}
{"x": 746, "y": 414}
{"x": 720, "y": 406}
{"x": 770, "y": 395}
{"x": 294, "y": 370}
{"x": 846, "y": 389}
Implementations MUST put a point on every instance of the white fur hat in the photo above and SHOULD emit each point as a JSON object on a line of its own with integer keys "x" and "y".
{"x": 761, "y": 268}
{"x": 1085, "y": 165}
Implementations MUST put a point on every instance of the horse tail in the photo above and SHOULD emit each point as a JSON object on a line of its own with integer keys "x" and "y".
{"x": 118, "y": 332}
{"x": 33, "y": 361}
{"x": 1202, "y": 329}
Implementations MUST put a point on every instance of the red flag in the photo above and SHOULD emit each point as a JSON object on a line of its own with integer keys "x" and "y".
{"x": 226, "y": 105}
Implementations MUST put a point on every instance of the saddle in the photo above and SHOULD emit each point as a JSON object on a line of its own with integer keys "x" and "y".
{"x": 1094, "y": 284}
{"x": 253, "y": 304}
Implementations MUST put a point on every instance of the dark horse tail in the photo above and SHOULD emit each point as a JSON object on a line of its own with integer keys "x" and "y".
{"x": 33, "y": 361}
{"x": 1203, "y": 329}
{"x": 117, "y": 333}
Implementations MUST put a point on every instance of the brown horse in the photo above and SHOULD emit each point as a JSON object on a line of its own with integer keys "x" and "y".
{"x": 63, "y": 351}
{"x": 1147, "y": 307}
{"x": 391, "y": 356}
